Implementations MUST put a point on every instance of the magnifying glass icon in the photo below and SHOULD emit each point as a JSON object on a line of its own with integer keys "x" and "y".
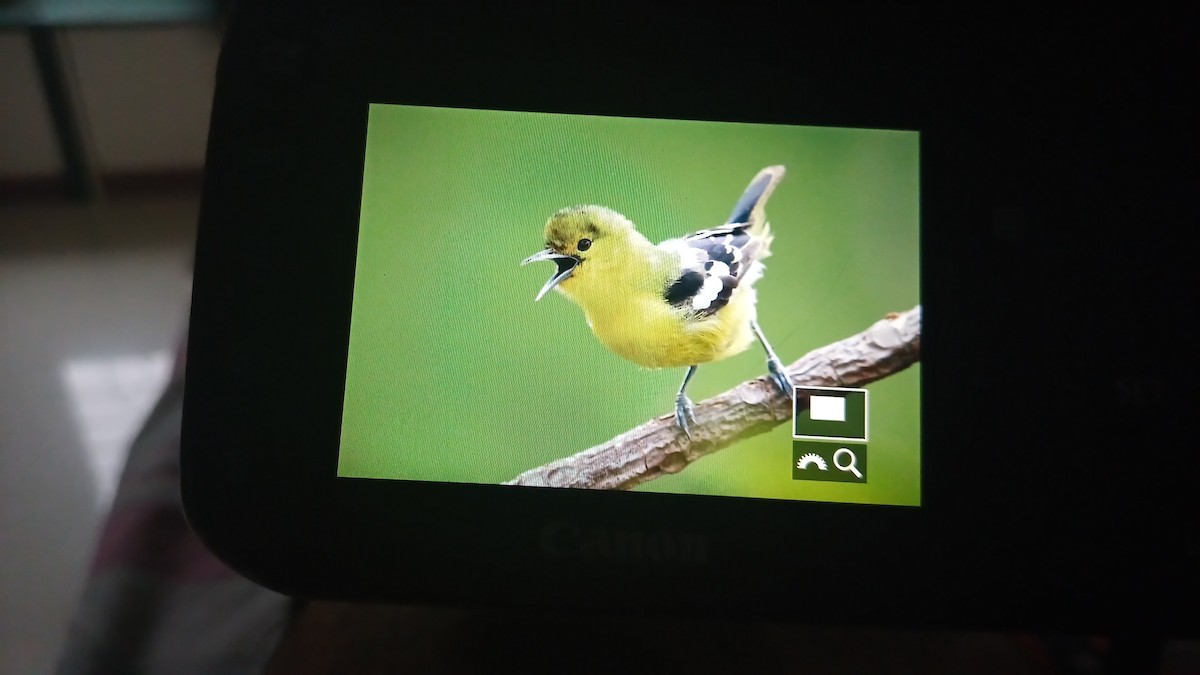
{"x": 851, "y": 461}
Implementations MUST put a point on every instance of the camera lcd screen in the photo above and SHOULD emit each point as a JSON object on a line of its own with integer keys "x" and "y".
{"x": 651, "y": 245}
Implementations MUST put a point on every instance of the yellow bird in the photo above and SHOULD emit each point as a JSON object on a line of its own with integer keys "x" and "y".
{"x": 680, "y": 303}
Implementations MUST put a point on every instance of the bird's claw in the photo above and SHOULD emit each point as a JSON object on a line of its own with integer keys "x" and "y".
{"x": 780, "y": 377}
{"x": 683, "y": 412}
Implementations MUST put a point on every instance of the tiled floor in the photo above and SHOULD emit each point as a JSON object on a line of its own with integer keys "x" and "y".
{"x": 92, "y": 302}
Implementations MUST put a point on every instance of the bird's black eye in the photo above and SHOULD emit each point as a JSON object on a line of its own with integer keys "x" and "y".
{"x": 584, "y": 244}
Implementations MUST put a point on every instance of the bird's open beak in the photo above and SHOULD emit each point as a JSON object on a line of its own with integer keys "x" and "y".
{"x": 566, "y": 265}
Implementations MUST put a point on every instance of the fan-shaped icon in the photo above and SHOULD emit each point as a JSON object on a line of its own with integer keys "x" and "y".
{"x": 811, "y": 458}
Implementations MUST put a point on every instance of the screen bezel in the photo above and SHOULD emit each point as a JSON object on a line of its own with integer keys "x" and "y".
{"x": 270, "y": 319}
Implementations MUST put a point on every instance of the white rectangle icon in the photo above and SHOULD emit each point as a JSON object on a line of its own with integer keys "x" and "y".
{"x": 827, "y": 408}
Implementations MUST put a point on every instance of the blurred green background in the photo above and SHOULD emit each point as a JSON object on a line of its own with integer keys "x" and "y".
{"x": 455, "y": 374}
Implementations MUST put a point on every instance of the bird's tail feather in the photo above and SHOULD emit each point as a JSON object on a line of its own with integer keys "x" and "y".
{"x": 751, "y": 207}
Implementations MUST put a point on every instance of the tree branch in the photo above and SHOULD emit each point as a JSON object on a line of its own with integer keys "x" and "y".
{"x": 659, "y": 447}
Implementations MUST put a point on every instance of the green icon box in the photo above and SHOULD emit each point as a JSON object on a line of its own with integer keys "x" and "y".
{"x": 830, "y": 413}
{"x": 828, "y": 461}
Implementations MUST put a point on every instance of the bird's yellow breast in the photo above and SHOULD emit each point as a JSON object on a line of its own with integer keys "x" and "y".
{"x": 644, "y": 329}
{"x": 621, "y": 295}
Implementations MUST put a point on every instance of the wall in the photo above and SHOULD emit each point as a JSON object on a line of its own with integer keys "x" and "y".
{"x": 145, "y": 95}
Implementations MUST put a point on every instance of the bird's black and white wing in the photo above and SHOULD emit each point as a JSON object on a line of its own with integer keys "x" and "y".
{"x": 712, "y": 264}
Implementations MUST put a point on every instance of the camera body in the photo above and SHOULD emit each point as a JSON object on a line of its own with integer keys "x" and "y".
{"x": 1052, "y": 485}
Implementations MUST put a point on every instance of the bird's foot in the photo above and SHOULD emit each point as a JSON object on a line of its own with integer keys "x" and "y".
{"x": 780, "y": 377}
{"x": 683, "y": 412}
